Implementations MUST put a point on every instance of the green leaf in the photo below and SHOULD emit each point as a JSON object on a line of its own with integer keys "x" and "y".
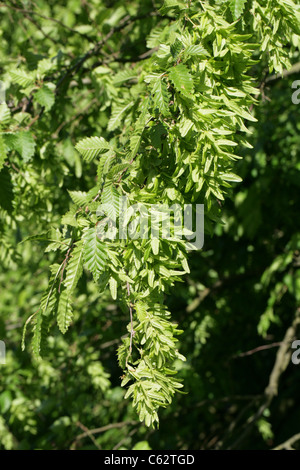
{"x": 25, "y": 79}
{"x": 237, "y": 8}
{"x": 124, "y": 76}
{"x": 91, "y": 147}
{"x": 110, "y": 200}
{"x": 117, "y": 114}
{"x": 40, "y": 334}
{"x": 155, "y": 245}
{"x": 176, "y": 47}
{"x": 135, "y": 142}
{"x": 23, "y": 143}
{"x": 79, "y": 197}
{"x": 95, "y": 253}
{"x": 195, "y": 49}
{"x": 45, "y": 97}
{"x": 230, "y": 177}
{"x": 74, "y": 267}
{"x": 4, "y": 114}
{"x": 161, "y": 97}
{"x": 113, "y": 286}
{"x": 182, "y": 79}
{"x": 64, "y": 312}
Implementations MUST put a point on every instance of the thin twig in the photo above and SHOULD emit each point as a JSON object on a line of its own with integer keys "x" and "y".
{"x": 288, "y": 444}
{"x": 259, "y": 348}
{"x": 54, "y": 20}
{"x": 88, "y": 433}
{"x": 126, "y": 21}
{"x": 281, "y": 363}
{"x": 122, "y": 441}
{"x": 105, "y": 428}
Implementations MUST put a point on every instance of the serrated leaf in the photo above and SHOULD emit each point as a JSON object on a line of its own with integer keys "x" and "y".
{"x": 45, "y": 97}
{"x": 118, "y": 111}
{"x": 49, "y": 299}
{"x": 23, "y": 142}
{"x": 135, "y": 143}
{"x": 22, "y": 78}
{"x": 182, "y": 79}
{"x": 195, "y": 49}
{"x": 64, "y": 312}
{"x": 79, "y": 197}
{"x": 4, "y": 114}
{"x": 74, "y": 267}
{"x": 37, "y": 335}
{"x": 95, "y": 253}
{"x": 111, "y": 201}
{"x": 237, "y": 8}
{"x": 91, "y": 147}
{"x": 175, "y": 48}
{"x": 161, "y": 97}
{"x": 124, "y": 76}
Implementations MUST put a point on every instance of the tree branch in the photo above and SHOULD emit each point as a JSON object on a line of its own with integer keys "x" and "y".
{"x": 288, "y": 444}
{"x": 281, "y": 363}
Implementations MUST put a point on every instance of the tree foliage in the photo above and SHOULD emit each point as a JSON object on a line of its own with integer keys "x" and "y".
{"x": 155, "y": 102}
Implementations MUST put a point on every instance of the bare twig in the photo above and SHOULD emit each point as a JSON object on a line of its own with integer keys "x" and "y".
{"x": 122, "y": 441}
{"x": 289, "y": 443}
{"x": 281, "y": 363}
{"x": 88, "y": 433}
{"x": 95, "y": 50}
{"x": 53, "y": 20}
{"x": 293, "y": 70}
{"x": 227, "y": 281}
{"x": 259, "y": 348}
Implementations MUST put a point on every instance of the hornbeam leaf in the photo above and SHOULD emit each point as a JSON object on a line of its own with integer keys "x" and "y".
{"x": 23, "y": 142}
{"x": 182, "y": 79}
{"x": 111, "y": 201}
{"x": 45, "y": 97}
{"x": 161, "y": 97}
{"x": 74, "y": 267}
{"x": 40, "y": 334}
{"x": 237, "y": 8}
{"x": 117, "y": 114}
{"x": 95, "y": 253}
{"x": 4, "y": 114}
{"x": 64, "y": 312}
{"x": 91, "y": 147}
{"x": 22, "y": 78}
